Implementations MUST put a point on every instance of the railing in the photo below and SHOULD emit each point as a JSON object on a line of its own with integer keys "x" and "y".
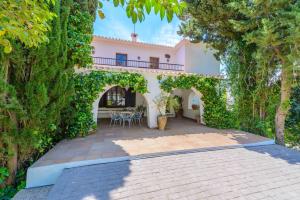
{"x": 136, "y": 64}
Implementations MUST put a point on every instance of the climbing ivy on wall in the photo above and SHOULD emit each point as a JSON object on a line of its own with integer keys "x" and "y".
{"x": 214, "y": 97}
{"x": 87, "y": 88}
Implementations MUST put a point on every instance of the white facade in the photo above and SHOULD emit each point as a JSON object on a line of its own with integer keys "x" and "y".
{"x": 195, "y": 58}
{"x": 183, "y": 58}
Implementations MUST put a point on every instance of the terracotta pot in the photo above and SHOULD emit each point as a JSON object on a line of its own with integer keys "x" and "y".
{"x": 162, "y": 122}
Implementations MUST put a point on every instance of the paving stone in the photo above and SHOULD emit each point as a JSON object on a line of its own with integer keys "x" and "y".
{"x": 264, "y": 172}
{"x": 39, "y": 193}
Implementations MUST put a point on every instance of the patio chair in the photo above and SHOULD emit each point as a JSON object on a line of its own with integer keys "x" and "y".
{"x": 137, "y": 117}
{"x": 114, "y": 118}
{"x": 127, "y": 117}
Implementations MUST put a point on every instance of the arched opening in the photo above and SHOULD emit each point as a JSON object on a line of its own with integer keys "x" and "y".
{"x": 120, "y": 101}
{"x": 191, "y": 104}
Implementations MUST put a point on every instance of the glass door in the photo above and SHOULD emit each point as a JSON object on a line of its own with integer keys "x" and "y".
{"x": 121, "y": 59}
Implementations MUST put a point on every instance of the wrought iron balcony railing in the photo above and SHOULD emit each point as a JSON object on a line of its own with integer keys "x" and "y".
{"x": 137, "y": 64}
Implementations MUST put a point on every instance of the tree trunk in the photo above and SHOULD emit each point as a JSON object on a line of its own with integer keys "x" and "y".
{"x": 282, "y": 110}
{"x": 12, "y": 148}
{"x": 12, "y": 162}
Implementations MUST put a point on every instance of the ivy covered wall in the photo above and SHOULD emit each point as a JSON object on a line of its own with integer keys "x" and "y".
{"x": 87, "y": 89}
{"x": 216, "y": 113}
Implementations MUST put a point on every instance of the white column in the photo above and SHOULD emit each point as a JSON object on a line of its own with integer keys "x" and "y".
{"x": 201, "y": 106}
{"x": 95, "y": 108}
{"x": 96, "y": 103}
{"x": 153, "y": 91}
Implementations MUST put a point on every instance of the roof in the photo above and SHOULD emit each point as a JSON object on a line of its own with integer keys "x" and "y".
{"x": 180, "y": 43}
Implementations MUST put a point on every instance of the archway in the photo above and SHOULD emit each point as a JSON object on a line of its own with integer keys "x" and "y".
{"x": 192, "y": 103}
{"x": 107, "y": 102}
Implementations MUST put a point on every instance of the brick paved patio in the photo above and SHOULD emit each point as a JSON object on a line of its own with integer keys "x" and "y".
{"x": 111, "y": 144}
{"x": 181, "y": 134}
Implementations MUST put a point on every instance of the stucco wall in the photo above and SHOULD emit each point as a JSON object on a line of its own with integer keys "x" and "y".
{"x": 199, "y": 59}
{"x": 140, "y": 100}
{"x": 180, "y": 55}
{"x": 196, "y": 58}
{"x": 109, "y": 49}
{"x": 188, "y": 112}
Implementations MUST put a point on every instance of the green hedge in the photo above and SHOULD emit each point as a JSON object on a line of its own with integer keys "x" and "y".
{"x": 214, "y": 97}
{"x": 87, "y": 89}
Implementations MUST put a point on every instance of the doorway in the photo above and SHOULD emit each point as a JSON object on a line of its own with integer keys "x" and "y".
{"x": 154, "y": 62}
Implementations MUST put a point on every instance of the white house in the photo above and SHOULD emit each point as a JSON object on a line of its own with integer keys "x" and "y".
{"x": 150, "y": 60}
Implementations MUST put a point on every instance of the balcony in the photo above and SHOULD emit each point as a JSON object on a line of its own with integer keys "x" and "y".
{"x": 137, "y": 64}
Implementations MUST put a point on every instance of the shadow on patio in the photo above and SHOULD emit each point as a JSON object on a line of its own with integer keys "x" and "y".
{"x": 109, "y": 142}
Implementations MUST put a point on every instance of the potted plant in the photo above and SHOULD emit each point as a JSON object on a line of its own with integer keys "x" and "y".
{"x": 162, "y": 102}
{"x": 179, "y": 109}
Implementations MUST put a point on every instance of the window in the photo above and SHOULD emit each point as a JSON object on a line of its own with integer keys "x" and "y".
{"x": 118, "y": 97}
{"x": 115, "y": 97}
{"x": 121, "y": 59}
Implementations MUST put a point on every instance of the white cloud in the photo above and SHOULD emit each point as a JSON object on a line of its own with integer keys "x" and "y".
{"x": 166, "y": 35}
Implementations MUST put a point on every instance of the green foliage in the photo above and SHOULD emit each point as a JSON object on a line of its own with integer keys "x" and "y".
{"x": 8, "y": 192}
{"x": 3, "y": 174}
{"x": 215, "y": 112}
{"x": 80, "y": 29}
{"x": 258, "y": 43}
{"x": 173, "y": 103}
{"x": 161, "y": 101}
{"x": 135, "y": 9}
{"x": 36, "y": 85}
{"x": 40, "y": 81}
{"x": 27, "y": 21}
{"x": 293, "y": 120}
{"x": 87, "y": 89}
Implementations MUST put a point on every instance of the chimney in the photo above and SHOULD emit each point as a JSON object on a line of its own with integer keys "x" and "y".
{"x": 134, "y": 37}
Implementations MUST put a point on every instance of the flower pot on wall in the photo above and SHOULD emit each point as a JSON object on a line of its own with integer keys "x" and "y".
{"x": 162, "y": 122}
{"x": 195, "y": 107}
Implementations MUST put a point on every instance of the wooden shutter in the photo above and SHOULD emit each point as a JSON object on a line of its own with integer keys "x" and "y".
{"x": 130, "y": 98}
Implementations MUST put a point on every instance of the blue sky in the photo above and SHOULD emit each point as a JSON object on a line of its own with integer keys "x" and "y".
{"x": 152, "y": 30}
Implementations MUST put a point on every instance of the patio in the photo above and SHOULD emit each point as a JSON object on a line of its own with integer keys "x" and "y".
{"x": 110, "y": 144}
{"x": 116, "y": 141}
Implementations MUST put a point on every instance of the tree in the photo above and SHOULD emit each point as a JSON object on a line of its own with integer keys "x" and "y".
{"x": 264, "y": 32}
{"x": 135, "y": 9}
{"x": 293, "y": 120}
{"x": 40, "y": 88}
{"x": 27, "y": 21}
